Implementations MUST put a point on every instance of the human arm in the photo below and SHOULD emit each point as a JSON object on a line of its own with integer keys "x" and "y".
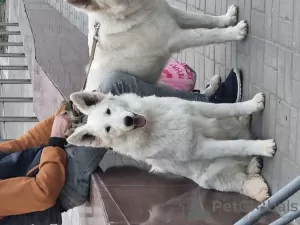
{"x": 36, "y": 136}
{"x": 29, "y": 194}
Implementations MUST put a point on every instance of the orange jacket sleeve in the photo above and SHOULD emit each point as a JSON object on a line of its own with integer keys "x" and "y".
{"x": 24, "y": 194}
{"x": 36, "y": 136}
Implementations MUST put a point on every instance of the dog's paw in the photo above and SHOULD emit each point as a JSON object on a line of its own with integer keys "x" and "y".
{"x": 258, "y": 102}
{"x": 232, "y": 15}
{"x": 255, "y": 187}
{"x": 241, "y": 30}
{"x": 269, "y": 148}
{"x": 255, "y": 165}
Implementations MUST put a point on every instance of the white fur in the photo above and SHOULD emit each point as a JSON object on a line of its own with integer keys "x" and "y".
{"x": 139, "y": 36}
{"x": 201, "y": 141}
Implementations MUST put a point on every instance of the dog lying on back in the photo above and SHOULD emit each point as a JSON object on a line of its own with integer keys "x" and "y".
{"x": 205, "y": 142}
{"x": 138, "y": 37}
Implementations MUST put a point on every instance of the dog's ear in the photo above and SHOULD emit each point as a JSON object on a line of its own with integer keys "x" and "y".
{"x": 82, "y": 137}
{"x": 85, "y": 100}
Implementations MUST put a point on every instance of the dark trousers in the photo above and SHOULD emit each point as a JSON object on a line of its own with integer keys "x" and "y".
{"x": 17, "y": 164}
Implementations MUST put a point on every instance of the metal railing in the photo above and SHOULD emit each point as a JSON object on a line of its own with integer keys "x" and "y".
{"x": 3, "y": 99}
{"x": 271, "y": 203}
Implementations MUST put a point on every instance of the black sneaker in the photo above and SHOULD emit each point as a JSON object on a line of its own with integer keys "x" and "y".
{"x": 230, "y": 91}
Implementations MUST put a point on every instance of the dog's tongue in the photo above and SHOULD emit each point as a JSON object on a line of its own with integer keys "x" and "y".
{"x": 139, "y": 121}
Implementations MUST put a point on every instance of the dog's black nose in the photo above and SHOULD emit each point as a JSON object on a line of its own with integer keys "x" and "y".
{"x": 128, "y": 121}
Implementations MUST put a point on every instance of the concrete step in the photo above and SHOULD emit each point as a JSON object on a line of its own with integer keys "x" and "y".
{"x": 10, "y": 32}
{"x": 4, "y": 24}
{"x": 15, "y": 81}
{"x": 14, "y": 67}
{"x": 18, "y": 119}
{"x": 14, "y": 55}
{"x": 16, "y": 99}
{"x": 11, "y": 43}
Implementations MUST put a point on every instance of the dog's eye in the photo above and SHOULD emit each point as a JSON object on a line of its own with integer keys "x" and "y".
{"x": 108, "y": 111}
{"x": 107, "y": 129}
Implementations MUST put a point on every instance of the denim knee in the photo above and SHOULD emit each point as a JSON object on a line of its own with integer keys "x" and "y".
{"x": 118, "y": 83}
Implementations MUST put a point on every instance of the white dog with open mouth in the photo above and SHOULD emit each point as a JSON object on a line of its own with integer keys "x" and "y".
{"x": 202, "y": 141}
{"x": 138, "y": 37}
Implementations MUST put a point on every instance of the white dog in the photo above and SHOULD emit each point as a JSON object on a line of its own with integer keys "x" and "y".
{"x": 201, "y": 141}
{"x": 139, "y": 36}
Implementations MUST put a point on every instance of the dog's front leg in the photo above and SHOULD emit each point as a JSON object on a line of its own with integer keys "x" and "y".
{"x": 211, "y": 148}
{"x": 191, "y": 20}
{"x": 183, "y": 39}
{"x": 225, "y": 110}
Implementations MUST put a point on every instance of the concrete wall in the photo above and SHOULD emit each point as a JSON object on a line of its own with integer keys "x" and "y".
{"x": 79, "y": 19}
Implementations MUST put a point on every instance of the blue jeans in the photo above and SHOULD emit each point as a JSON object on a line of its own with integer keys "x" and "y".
{"x": 83, "y": 161}
{"x": 47, "y": 217}
{"x": 18, "y": 163}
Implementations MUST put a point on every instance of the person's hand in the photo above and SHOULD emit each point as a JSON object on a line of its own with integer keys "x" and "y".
{"x": 61, "y": 124}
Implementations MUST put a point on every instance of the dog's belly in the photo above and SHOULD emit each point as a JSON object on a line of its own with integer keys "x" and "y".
{"x": 189, "y": 169}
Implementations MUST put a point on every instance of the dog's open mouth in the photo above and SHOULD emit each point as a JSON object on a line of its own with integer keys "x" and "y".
{"x": 139, "y": 121}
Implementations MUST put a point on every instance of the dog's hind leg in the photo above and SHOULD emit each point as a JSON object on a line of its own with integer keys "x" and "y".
{"x": 183, "y": 39}
{"x": 256, "y": 187}
{"x": 190, "y": 20}
{"x": 255, "y": 165}
{"x": 233, "y": 179}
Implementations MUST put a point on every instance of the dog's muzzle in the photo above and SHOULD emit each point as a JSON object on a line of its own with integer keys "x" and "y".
{"x": 136, "y": 121}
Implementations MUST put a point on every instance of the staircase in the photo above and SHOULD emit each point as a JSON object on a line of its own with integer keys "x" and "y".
{"x": 16, "y": 102}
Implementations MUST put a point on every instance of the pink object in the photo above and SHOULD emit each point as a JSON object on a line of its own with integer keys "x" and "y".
{"x": 179, "y": 76}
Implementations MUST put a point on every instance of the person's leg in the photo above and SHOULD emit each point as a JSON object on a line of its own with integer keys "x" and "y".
{"x": 81, "y": 163}
{"x": 17, "y": 163}
{"x": 47, "y": 217}
{"x": 120, "y": 83}
{"x": 230, "y": 91}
